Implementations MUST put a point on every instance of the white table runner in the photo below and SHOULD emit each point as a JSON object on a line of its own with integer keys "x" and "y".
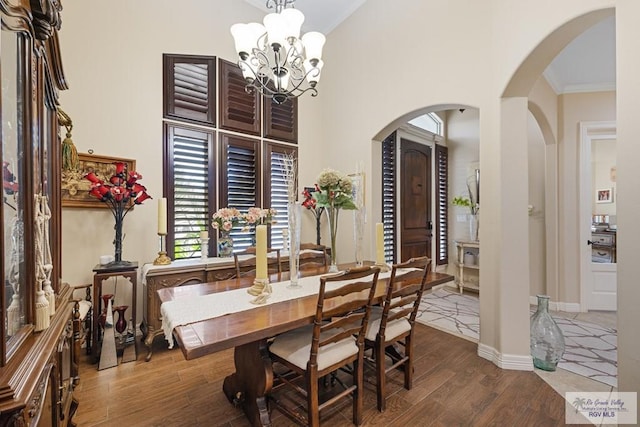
{"x": 187, "y": 310}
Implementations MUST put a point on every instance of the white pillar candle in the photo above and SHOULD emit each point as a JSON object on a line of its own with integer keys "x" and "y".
{"x": 204, "y": 235}
{"x": 162, "y": 216}
{"x": 380, "y": 243}
{"x": 261, "y": 252}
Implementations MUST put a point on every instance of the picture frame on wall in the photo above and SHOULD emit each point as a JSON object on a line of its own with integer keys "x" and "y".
{"x": 75, "y": 188}
{"x": 604, "y": 195}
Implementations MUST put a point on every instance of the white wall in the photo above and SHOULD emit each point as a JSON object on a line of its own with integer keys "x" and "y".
{"x": 463, "y": 142}
{"x": 537, "y": 237}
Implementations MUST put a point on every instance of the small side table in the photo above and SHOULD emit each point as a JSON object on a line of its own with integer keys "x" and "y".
{"x": 128, "y": 270}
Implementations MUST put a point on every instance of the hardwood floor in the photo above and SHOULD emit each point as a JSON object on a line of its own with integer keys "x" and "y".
{"x": 452, "y": 387}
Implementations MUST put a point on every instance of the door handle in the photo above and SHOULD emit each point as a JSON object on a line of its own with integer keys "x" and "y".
{"x": 589, "y": 242}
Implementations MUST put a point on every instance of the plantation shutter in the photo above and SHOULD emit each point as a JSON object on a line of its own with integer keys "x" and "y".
{"x": 240, "y": 181}
{"x": 191, "y": 186}
{"x": 189, "y": 88}
{"x": 389, "y": 194}
{"x": 276, "y": 195}
{"x": 442, "y": 205}
{"x": 239, "y": 109}
{"x": 281, "y": 120}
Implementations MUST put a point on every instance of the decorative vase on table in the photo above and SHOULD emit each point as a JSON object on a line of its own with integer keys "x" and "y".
{"x": 295, "y": 213}
{"x": 547, "y": 341}
{"x": 474, "y": 223}
{"x": 225, "y": 244}
{"x": 334, "y": 191}
{"x": 121, "y": 193}
{"x": 332, "y": 218}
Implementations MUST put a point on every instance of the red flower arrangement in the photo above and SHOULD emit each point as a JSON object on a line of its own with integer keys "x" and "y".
{"x": 122, "y": 188}
{"x": 312, "y": 206}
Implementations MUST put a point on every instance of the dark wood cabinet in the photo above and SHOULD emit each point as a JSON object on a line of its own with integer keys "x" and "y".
{"x": 38, "y": 365}
{"x": 179, "y": 273}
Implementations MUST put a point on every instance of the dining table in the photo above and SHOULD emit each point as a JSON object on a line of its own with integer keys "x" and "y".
{"x": 248, "y": 332}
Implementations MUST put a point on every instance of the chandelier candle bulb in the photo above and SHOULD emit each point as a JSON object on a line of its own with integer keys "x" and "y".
{"x": 162, "y": 216}
{"x": 261, "y": 252}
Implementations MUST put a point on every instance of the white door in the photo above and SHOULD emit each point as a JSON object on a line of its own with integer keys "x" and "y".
{"x": 597, "y": 200}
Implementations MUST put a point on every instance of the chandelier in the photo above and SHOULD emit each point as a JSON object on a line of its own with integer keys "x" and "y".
{"x": 274, "y": 59}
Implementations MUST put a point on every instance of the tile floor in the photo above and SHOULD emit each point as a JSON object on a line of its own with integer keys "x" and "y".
{"x": 589, "y": 363}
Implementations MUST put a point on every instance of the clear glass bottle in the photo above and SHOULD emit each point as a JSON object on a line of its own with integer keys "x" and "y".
{"x": 547, "y": 341}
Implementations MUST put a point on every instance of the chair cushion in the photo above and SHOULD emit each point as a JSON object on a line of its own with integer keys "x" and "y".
{"x": 84, "y": 307}
{"x": 394, "y": 328}
{"x": 295, "y": 347}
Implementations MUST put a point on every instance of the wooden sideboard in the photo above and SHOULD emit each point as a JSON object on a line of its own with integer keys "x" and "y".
{"x": 178, "y": 273}
{"x": 191, "y": 272}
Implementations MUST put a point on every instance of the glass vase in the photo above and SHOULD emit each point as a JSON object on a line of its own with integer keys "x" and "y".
{"x": 332, "y": 217}
{"x": 358, "y": 234}
{"x": 473, "y": 227}
{"x": 547, "y": 341}
{"x": 225, "y": 244}
{"x": 295, "y": 214}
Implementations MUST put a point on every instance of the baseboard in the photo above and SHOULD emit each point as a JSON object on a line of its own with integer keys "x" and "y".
{"x": 505, "y": 361}
{"x": 568, "y": 307}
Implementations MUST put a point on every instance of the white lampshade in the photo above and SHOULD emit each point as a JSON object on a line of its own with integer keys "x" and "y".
{"x": 293, "y": 21}
{"x": 313, "y": 42}
{"x": 313, "y": 75}
{"x": 246, "y": 36}
{"x": 284, "y": 80}
{"x": 249, "y": 68}
{"x": 276, "y": 27}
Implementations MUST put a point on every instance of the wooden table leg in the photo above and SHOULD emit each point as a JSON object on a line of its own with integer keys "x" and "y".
{"x": 251, "y": 382}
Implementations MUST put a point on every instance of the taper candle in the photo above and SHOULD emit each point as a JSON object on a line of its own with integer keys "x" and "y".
{"x": 380, "y": 243}
{"x": 261, "y": 252}
{"x": 162, "y": 216}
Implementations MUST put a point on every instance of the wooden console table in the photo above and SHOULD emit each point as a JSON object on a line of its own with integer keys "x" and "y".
{"x": 178, "y": 273}
{"x": 468, "y": 253}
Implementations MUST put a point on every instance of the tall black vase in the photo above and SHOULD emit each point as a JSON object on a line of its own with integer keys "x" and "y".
{"x": 117, "y": 241}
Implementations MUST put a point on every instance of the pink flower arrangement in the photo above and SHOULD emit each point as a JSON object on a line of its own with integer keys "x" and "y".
{"x": 258, "y": 216}
{"x": 226, "y": 218}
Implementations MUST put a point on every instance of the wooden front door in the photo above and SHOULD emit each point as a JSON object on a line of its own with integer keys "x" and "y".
{"x": 415, "y": 175}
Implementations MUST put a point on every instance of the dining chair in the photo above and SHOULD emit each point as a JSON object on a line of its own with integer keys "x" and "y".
{"x": 312, "y": 256}
{"x": 335, "y": 340}
{"x": 247, "y": 266}
{"x": 391, "y": 325}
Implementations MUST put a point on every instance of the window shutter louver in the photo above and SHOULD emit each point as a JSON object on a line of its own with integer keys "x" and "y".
{"x": 191, "y": 187}
{"x": 389, "y": 196}
{"x": 442, "y": 205}
{"x": 240, "y": 176}
{"x": 240, "y": 109}
{"x": 281, "y": 120}
{"x": 276, "y": 194}
{"x": 189, "y": 84}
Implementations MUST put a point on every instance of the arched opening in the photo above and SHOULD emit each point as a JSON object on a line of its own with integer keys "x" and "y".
{"x": 460, "y": 138}
{"x": 553, "y": 230}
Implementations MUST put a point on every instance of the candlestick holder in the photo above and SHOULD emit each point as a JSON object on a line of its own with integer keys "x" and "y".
{"x": 162, "y": 258}
{"x": 259, "y": 286}
{"x": 384, "y": 267}
{"x": 204, "y": 249}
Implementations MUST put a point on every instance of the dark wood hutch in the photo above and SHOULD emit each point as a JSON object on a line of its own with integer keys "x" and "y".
{"x": 37, "y": 361}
